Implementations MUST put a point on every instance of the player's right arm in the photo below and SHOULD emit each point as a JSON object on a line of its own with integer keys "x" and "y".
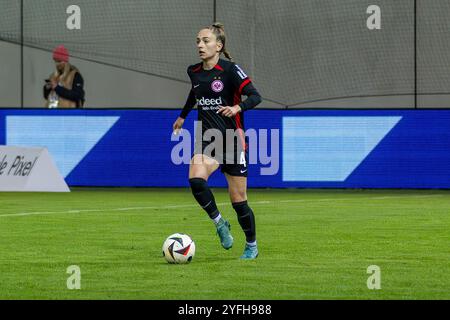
{"x": 189, "y": 105}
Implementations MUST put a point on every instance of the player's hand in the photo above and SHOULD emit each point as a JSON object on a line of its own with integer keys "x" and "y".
{"x": 53, "y": 84}
{"x": 229, "y": 111}
{"x": 178, "y": 124}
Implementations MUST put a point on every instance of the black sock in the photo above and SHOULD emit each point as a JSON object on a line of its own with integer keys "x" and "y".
{"x": 204, "y": 196}
{"x": 246, "y": 219}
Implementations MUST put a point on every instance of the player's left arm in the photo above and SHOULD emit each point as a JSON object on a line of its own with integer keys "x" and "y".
{"x": 253, "y": 97}
{"x": 246, "y": 88}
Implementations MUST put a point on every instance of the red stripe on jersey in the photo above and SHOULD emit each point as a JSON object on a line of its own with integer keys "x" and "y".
{"x": 243, "y": 84}
{"x": 197, "y": 69}
{"x": 218, "y": 67}
{"x": 237, "y": 95}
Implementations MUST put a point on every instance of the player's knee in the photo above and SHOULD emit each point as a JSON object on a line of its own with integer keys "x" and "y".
{"x": 238, "y": 196}
{"x": 198, "y": 171}
{"x": 241, "y": 207}
{"x": 198, "y": 185}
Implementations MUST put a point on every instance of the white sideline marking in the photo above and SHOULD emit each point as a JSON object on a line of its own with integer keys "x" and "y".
{"x": 196, "y": 205}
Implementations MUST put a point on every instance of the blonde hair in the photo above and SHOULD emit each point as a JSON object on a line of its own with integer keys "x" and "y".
{"x": 219, "y": 31}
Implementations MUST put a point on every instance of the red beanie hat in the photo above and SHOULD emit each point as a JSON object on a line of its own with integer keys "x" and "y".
{"x": 61, "y": 53}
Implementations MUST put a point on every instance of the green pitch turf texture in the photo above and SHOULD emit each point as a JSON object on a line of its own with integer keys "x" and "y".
{"x": 314, "y": 244}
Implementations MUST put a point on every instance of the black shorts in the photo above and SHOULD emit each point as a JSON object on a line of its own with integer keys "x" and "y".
{"x": 234, "y": 163}
{"x": 235, "y": 170}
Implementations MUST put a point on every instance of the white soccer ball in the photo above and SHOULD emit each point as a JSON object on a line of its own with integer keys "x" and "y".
{"x": 178, "y": 248}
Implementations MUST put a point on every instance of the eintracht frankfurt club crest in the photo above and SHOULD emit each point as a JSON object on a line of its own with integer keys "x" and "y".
{"x": 217, "y": 86}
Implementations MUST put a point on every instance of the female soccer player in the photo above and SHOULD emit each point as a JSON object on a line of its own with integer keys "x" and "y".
{"x": 217, "y": 87}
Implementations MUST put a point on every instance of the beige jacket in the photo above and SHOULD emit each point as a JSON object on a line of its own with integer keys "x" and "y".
{"x": 66, "y": 79}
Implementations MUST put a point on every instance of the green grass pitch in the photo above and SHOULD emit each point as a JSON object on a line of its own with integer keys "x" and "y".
{"x": 314, "y": 244}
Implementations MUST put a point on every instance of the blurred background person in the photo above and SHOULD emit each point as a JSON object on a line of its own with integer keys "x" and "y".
{"x": 64, "y": 87}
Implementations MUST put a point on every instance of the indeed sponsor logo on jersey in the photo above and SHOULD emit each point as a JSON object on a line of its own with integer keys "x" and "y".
{"x": 203, "y": 102}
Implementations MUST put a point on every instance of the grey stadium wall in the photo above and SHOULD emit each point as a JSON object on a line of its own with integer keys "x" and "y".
{"x": 300, "y": 54}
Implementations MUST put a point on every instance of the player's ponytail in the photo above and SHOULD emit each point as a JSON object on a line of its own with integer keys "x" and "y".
{"x": 219, "y": 31}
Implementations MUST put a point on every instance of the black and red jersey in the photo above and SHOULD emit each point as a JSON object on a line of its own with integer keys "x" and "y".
{"x": 223, "y": 85}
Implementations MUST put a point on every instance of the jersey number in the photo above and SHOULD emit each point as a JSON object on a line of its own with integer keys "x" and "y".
{"x": 242, "y": 161}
